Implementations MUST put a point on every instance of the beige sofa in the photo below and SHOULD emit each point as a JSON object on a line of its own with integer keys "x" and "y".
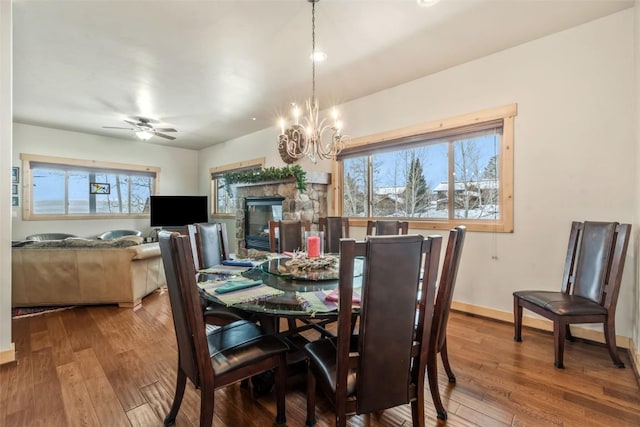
{"x": 76, "y": 273}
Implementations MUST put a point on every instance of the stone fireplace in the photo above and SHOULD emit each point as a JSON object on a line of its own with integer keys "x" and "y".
{"x": 309, "y": 205}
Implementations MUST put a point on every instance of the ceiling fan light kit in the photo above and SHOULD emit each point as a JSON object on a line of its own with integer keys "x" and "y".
{"x": 143, "y": 129}
{"x": 144, "y": 135}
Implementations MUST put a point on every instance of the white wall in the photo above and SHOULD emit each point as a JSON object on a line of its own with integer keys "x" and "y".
{"x": 178, "y": 173}
{"x": 6, "y": 351}
{"x": 575, "y": 150}
{"x": 636, "y": 295}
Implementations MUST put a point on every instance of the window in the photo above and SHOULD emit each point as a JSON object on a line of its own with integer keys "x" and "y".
{"x": 225, "y": 202}
{"x": 437, "y": 175}
{"x": 58, "y": 188}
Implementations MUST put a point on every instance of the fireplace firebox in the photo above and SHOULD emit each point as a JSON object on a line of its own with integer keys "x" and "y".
{"x": 258, "y": 211}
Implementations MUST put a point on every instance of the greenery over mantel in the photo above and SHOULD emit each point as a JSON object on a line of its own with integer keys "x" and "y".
{"x": 268, "y": 174}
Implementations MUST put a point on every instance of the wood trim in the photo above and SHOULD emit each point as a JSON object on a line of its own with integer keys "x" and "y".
{"x": 88, "y": 163}
{"x": 537, "y": 323}
{"x": 488, "y": 114}
{"x": 27, "y": 180}
{"x": 213, "y": 190}
{"x": 472, "y": 225}
{"x": 506, "y": 171}
{"x": 260, "y": 161}
{"x": 505, "y": 224}
{"x": 35, "y": 217}
{"x": 8, "y": 356}
{"x": 336, "y": 200}
{"x": 635, "y": 359}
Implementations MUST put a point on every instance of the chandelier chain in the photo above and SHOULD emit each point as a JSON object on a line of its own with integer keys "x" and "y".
{"x": 313, "y": 52}
{"x": 316, "y": 138}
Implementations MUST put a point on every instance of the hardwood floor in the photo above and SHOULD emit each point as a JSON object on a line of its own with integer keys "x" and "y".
{"x": 107, "y": 366}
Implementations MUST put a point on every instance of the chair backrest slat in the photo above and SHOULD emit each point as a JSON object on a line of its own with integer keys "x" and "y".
{"x": 185, "y": 304}
{"x": 335, "y": 228}
{"x": 389, "y": 311}
{"x": 387, "y": 227}
{"x": 209, "y": 243}
{"x": 290, "y": 237}
{"x": 592, "y": 265}
{"x": 447, "y": 285}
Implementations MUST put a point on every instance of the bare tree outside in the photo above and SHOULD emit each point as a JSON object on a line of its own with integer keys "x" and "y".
{"x": 476, "y": 190}
{"x": 355, "y": 184}
{"x": 420, "y": 181}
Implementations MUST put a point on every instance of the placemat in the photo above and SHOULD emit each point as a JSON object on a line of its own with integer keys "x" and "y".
{"x": 241, "y": 296}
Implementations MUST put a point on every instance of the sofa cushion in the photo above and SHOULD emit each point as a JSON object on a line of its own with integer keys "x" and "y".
{"x": 79, "y": 242}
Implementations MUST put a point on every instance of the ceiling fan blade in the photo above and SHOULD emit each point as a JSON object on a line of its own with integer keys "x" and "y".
{"x": 165, "y": 130}
{"x": 132, "y": 123}
{"x": 116, "y": 127}
{"x": 162, "y": 135}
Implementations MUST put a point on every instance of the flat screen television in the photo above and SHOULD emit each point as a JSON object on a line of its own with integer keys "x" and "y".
{"x": 178, "y": 211}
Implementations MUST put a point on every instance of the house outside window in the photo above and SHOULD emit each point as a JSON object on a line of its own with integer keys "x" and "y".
{"x": 437, "y": 175}
{"x": 59, "y": 188}
{"x": 224, "y": 200}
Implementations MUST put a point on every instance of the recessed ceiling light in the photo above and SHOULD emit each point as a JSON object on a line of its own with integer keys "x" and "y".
{"x": 318, "y": 56}
{"x": 427, "y": 3}
{"x": 253, "y": 118}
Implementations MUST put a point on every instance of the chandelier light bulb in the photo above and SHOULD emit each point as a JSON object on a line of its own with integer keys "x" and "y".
{"x": 427, "y": 3}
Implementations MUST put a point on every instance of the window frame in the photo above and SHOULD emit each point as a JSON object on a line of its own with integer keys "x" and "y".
{"x": 381, "y": 140}
{"x": 27, "y": 186}
{"x": 257, "y": 163}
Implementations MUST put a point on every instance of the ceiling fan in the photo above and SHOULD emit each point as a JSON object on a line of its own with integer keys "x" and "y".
{"x": 143, "y": 128}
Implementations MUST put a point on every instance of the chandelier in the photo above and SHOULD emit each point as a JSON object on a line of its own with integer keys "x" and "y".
{"x": 314, "y": 138}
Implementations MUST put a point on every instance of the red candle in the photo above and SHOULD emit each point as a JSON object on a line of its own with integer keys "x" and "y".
{"x": 313, "y": 246}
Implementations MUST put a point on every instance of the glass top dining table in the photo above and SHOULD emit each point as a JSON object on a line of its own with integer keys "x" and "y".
{"x": 283, "y": 287}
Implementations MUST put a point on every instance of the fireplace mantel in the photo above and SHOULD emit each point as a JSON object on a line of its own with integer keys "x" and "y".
{"x": 312, "y": 178}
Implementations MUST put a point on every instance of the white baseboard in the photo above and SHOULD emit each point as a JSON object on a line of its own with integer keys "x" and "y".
{"x": 538, "y": 323}
{"x": 8, "y": 356}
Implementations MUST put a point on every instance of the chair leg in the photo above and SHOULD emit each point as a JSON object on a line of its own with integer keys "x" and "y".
{"x": 432, "y": 373}
{"x": 417, "y": 409}
{"x": 311, "y": 399}
{"x": 568, "y": 335}
{"x": 610, "y": 339}
{"x": 181, "y": 382}
{"x": 281, "y": 381}
{"x": 559, "y": 331}
{"x": 207, "y": 403}
{"x": 517, "y": 319}
{"x": 291, "y": 324}
{"x": 341, "y": 419}
{"x": 445, "y": 361}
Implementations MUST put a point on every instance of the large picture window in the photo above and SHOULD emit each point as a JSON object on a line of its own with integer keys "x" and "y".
{"x": 458, "y": 171}
{"x": 225, "y": 202}
{"x": 68, "y": 188}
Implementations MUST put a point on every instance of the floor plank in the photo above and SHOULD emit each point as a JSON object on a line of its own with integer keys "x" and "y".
{"x": 111, "y": 366}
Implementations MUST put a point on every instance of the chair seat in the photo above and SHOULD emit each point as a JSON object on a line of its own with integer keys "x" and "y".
{"x": 322, "y": 359}
{"x": 241, "y": 343}
{"x": 562, "y": 304}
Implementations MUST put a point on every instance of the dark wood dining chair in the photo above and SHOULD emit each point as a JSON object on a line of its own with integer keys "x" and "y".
{"x": 209, "y": 244}
{"x": 207, "y": 248}
{"x": 438, "y": 343}
{"x": 335, "y": 228}
{"x": 383, "y": 365}
{"x": 214, "y": 359}
{"x": 290, "y": 235}
{"x": 387, "y": 227}
{"x": 590, "y": 286}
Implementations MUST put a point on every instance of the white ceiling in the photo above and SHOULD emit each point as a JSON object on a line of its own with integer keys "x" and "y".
{"x": 207, "y": 68}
